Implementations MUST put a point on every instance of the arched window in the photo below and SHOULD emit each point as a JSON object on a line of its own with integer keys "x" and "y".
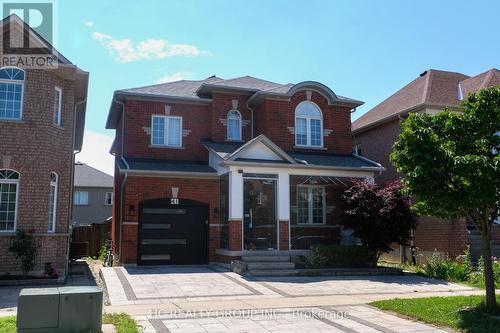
{"x": 308, "y": 125}
{"x": 9, "y": 192}
{"x": 11, "y": 93}
{"x": 53, "y": 202}
{"x": 233, "y": 125}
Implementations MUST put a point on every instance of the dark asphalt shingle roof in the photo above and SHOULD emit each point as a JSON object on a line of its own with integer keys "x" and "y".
{"x": 87, "y": 176}
{"x": 148, "y": 164}
{"x": 333, "y": 160}
{"x": 223, "y": 147}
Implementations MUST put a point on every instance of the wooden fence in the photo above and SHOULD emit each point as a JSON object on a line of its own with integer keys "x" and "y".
{"x": 86, "y": 241}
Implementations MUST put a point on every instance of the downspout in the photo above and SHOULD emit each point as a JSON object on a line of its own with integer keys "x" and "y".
{"x": 122, "y": 189}
{"x": 72, "y": 181}
{"x": 251, "y": 120}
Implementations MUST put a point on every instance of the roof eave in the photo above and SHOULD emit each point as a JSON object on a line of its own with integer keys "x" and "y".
{"x": 302, "y": 166}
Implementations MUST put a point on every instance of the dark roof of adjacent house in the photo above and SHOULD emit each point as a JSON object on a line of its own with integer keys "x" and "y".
{"x": 87, "y": 176}
{"x": 149, "y": 164}
{"x": 200, "y": 91}
{"x": 432, "y": 88}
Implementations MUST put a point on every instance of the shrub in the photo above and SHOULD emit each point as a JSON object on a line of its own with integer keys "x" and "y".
{"x": 338, "y": 256}
{"x": 442, "y": 267}
{"x": 24, "y": 248}
{"x": 477, "y": 278}
{"x": 103, "y": 252}
{"x": 50, "y": 271}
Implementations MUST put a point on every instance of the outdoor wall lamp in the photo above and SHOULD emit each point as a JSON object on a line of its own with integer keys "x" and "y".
{"x": 131, "y": 210}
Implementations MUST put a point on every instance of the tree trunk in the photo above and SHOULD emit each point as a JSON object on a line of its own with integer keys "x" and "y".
{"x": 489, "y": 281}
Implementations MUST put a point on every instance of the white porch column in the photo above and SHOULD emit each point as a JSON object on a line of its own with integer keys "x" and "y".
{"x": 235, "y": 196}
{"x": 283, "y": 196}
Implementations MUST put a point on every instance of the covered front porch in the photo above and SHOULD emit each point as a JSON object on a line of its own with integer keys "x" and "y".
{"x": 283, "y": 203}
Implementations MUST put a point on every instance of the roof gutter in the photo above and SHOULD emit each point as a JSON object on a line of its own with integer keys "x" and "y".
{"x": 159, "y": 173}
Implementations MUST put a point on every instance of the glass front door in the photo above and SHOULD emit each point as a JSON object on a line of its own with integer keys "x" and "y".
{"x": 260, "y": 214}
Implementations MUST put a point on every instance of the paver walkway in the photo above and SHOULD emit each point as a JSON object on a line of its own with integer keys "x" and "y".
{"x": 212, "y": 299}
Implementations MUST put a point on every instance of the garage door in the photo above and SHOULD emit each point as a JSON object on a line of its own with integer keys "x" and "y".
{"x": 172, "y": 234}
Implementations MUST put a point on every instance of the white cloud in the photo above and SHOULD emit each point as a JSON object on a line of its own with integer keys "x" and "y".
{"x": 89, "y": 24}
{"x": 95, "y": 152}
{"x": 125, "y": 50}
{"x": 172, "y": 77}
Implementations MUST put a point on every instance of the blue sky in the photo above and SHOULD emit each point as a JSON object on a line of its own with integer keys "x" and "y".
{"x": 361, "y": 49}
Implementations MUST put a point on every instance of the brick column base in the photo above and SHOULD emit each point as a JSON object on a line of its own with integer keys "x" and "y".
{"x": 284, "y": 236}
{"x": 235, "y": 235}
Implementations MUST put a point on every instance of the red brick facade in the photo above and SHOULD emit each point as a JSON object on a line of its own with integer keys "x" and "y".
{"x": 35, "y": 147}
{"x": 207, "y": 120}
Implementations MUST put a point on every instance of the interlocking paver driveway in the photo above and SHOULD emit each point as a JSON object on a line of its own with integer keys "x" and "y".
{"x": 196, "y": 292}
{"x": 350, "y": 319}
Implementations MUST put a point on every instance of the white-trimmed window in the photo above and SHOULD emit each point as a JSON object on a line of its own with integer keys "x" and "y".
{"x": 11, "y": 93}
{"x": 81, "y": 198}
{"x": 308, "y": 125}
{"x": 356, "y": 150}
{"x": 311, "y": 204}
{"x": 233, "y": 125}
{"x": 9, "y": 193}
{"x": 57, "y": 105}
{"x": 108, "y": 198}
{"x": 166, "y": 131}
{"x": 53, "y": 202}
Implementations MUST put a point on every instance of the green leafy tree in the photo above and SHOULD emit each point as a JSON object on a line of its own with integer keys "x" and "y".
{"x": 450, "y": 163}
{"x": 24, "y": 248}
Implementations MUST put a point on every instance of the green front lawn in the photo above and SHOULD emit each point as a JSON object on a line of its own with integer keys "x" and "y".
{"x": 8, "y": 324}
{"x": 463, "y": 313}
{"x": 122, "y": 322}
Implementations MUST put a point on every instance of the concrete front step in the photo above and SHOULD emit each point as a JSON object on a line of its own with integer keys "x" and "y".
{"x": 278, "y": 272}
{"x": 259, "y": 258}
{"x": 270, "y": 265}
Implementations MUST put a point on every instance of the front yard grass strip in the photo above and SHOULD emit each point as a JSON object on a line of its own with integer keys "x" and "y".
{"x": 122, "y": 321}
{"x": 8, "y": 324}
{"x": 463, "y": 313}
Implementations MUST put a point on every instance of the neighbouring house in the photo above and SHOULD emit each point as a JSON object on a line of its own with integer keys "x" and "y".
{"x": 214, "y": 169}
{"x": 377, "y": 130}
{"x": 42, "y": 117}
{"x": 92, "y": 196}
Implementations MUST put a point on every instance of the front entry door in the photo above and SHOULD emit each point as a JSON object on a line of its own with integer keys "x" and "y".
{"x": 260, "y": 232}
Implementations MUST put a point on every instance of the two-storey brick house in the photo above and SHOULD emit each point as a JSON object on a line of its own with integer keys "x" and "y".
{"x": 214, "y": 169}
{"x": 42, "y": 116}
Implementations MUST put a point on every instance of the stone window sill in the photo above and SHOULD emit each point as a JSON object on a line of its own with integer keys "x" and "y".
{"x": 309, "y": 148}
{"x": 165, "y": 147}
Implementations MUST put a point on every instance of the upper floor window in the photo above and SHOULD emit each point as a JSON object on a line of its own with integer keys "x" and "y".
{"x": 11, "y": 93}
{"x": 9, "y": 191}
{"x": 166, "y": 131}
{"x": 57, "y": 105}
{"x": 233, "y": 125}
{"x": 308, "y": 125}
{"x": 81, "y": 198}
{"x": 53, "y": 202}
{"x": 108, "y": 198}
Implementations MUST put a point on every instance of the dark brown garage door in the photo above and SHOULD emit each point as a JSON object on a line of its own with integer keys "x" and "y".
{"x": 172, "y": 234}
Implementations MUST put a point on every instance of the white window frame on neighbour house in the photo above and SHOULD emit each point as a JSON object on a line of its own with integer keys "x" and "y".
{"x": 108, "y": 195}
{"x": 12, "y": 78}
{"x": 10, "y": 177}
{"x": 57, "y": 106}
{"x": 308, "y": 114}
{"x": 53, "y": 202}
{"x": 163, "y": 139}
{"x": 310, "y": 203}
{"x": 233, "y": 119}
{"x": 78, "y": 198}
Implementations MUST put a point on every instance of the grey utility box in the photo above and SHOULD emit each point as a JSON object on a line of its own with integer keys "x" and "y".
{"x": 58, "y": 310}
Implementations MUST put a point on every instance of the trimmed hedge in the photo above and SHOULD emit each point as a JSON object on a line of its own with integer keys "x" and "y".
{"x": 339, "y": 256}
